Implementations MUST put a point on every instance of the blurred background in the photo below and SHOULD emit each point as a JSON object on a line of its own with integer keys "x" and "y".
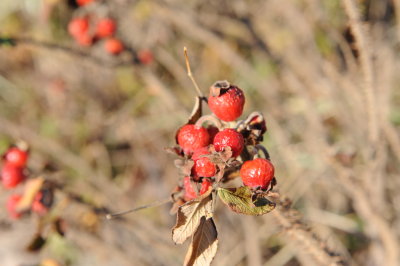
{"x": 323, "y": 73}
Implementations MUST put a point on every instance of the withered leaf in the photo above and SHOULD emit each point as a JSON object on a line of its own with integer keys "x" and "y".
{"x": 32, "y": 187}
{"x": 196, "y": 112}
{"x": 204, "y": 244}
{"x": 189, "y": 215}
{"x": 240, "y": 200}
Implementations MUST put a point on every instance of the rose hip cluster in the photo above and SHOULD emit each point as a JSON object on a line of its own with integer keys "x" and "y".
{"x": 88, "y": 28}
{"x": 215, "y": 146}
{"x": 13, "y": 173}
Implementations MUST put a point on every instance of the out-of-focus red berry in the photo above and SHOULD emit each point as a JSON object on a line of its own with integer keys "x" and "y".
{"x": 78, "y": 26}
{"x": 106, "y": 27}
{"x": 11, "y": 205}
{"x": 84, "y": 39}
{"x": 113, "y": 46}
{"x": 229, "y": 138}
{"x": 203, "y": 167}
{"x": 191, "y": 137}
{"x": 11, "y": 175}
{"x": 38, "y": 206}
{"x": 145, "y": 57}
{"x": 16, "y": 156}
{"x": 228, "y": 105}
{"x": 83, "y": 2}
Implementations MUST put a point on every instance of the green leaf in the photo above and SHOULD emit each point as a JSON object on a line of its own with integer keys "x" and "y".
{"x": 240, "y": 200}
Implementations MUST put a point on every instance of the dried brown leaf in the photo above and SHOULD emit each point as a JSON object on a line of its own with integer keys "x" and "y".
{"x": 204, "y": 244}
{"x": 189, "y": 215}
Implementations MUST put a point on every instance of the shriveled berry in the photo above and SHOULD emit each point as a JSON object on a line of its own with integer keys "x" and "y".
{"x": 228, "y": 105}
{"x": 78, "y": 26}
{"x": 11, "y": 175}
{"x": 205, "y": 185}
{"x": 191, "y": 137}
{"x": 203, "y": 167}
{"x": 105, "y": 28}
{"x": 113, "y": 46}
{"x": 257, "y": 173}
{"x": 190, "y": 192}
{"x": 11, "y": 206}
{"x": 16, "y": 156}
{"x": 229, "y": 138}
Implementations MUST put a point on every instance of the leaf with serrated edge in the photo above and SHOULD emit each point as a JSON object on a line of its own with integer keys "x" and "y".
{"x": 239, "y": 200}
{"x": 189, "y": 215}
{"x": 204, "y": 244}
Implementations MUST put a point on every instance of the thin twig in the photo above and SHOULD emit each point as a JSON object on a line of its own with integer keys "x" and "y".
{"x": 150, "y": 205}
{"x": 189, "y": 72}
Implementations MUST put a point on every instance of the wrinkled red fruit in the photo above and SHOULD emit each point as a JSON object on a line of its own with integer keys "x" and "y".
{"x": 145, "y": 57}
{"x": 78, "y": 26}
{"x": 203, "y": 167}
{"x": 191, "y": 137}
{"x": 257, "y": 173}
{"x": 11, "y": 175}
{"x": 190, "y": 192}
{"x": 229, "y": 138}
{"x": 37, "y": 204}
{"x": 83, "y": 2}
{"x": 105, "y": 28}
{"x": 11, "y": 205}
{"x": 228, "y": 106}
{"x": 16, "y": 157}
{"x": 113, "y": 46}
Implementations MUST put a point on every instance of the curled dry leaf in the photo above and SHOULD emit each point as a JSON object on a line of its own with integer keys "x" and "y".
{"x": 204, "y": 244}
{"x": 189, "y": 215}
{"x": 241, "y": 200}
{"x": 32, "y": 187}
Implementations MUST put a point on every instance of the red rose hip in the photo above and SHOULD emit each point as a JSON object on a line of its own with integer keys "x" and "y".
{"x": 11, "y": 206}
{"x": 203, "y": 167}
{"x": 105, "y": 28}
{"x": 11, "y": 175}
{"x": 191, "y": 137}
{"x": 78, "y": 26}
{"x": 16, "y": 157}
{"x": 229, "y": 138}
{"x": 228, "y": 105}
{"x": 113, "y": 46}
{"x": 257, "y": 173}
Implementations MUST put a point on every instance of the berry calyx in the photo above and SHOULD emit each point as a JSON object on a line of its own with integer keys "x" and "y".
{"x": 203, "y": 167}
{"x": 113, "y": 46}
{"x": 105, "y": 28}
{"x": 11, "y": 206}
{"x": 11, "y": 175}
{"x": 257, "y": 173}
{"x": 229, "y": 138}
{"x": 228, "y": 104}
{"x": 191, "y": 137}
{"x": 16, "y": 157}
{"x": 78, "y": 27}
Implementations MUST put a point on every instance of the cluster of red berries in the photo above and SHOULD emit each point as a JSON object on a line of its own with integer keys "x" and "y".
{"x": 88, "y": 29}
{"x": 212, "y": 148}
{"x": 12, "y": 174}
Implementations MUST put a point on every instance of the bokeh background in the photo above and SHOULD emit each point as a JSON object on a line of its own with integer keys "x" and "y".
{"x": 324, "y": 74}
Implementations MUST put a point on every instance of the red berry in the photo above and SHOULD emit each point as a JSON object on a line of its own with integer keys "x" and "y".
{"x": 229, "y": 138}
{"x": 78, "y": 26}
{"x": 203, "y": 167}
{"x": 257, "y": 173}
{"x": 83, "y": 2}
{"x": 212, "y": 131}
{"x": 113, "y": 46}
{"x": 205, "y": 185}
{"x": 228, "y": 105}
{"x": 84, "y": 39}
{"x": 11, "y": 175}
{"x": 16, "y": 156}
{"x": 190, "y": 192}
{"x": 38, "y": 206}
{"x": 105, "y": 28}
{"x": 145, "y": 57}
{"x": 191, "y": 137}
{"x": 11, "y": 205}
